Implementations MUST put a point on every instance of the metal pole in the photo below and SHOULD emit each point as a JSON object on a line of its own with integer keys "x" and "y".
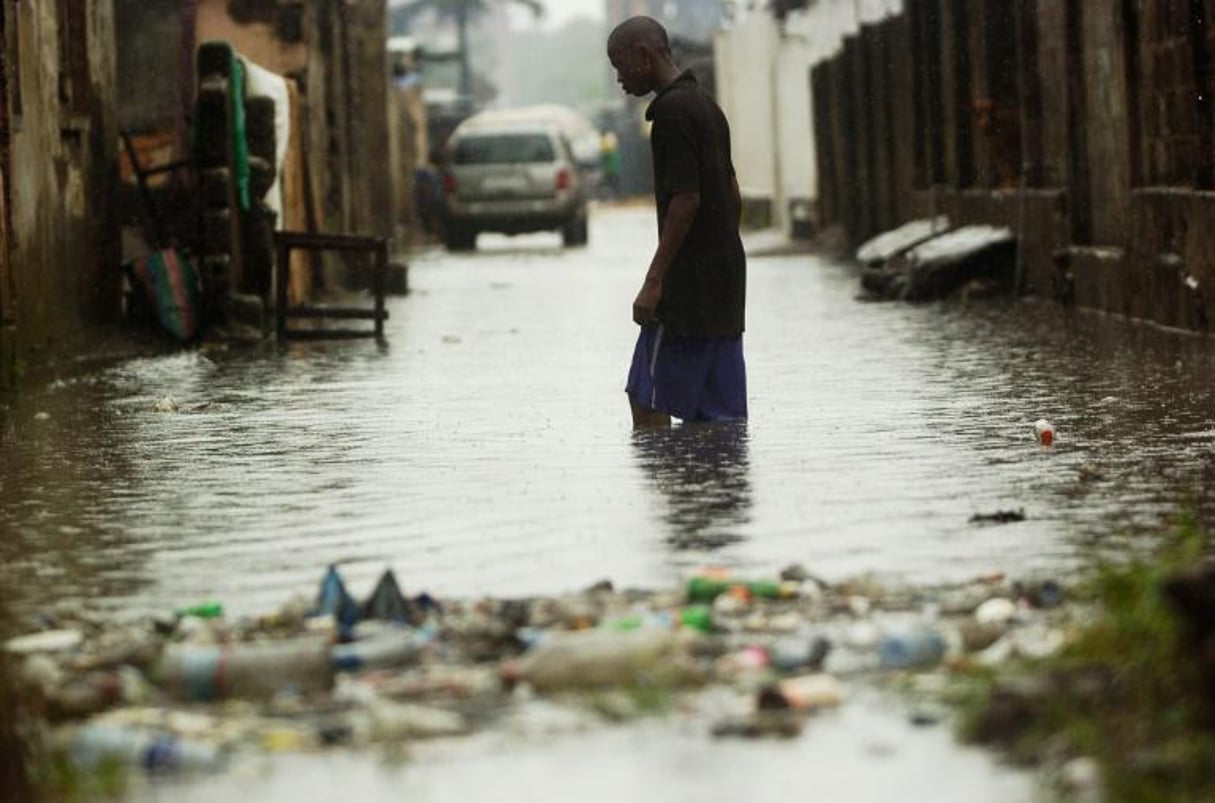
{"x": 462, "y": 33}
{"x": 280, "y": 291}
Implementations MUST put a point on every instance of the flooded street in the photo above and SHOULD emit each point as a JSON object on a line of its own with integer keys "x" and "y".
{"x": 486, "y": 449}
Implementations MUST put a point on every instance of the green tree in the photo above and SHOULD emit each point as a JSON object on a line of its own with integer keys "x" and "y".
{"x": 461, "y": 12}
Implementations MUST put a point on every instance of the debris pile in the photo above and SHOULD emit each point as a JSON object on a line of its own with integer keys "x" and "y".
{"x": 190, "y": 689}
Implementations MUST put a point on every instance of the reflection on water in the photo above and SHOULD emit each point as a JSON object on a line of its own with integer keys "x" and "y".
{"x": 700, "y": 473}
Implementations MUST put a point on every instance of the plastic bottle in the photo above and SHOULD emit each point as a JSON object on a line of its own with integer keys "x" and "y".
{"x": 693, "y": 617}
{"x": 808, "y": 692}
{"x": 706, "y": 589}
{"x": 697, "y": 617}
{"x": 636, "y": 621}
{"x": 803, "y": 652}
{"x": 248, "y": 671}
{"x": 142, "y": 747}
{"x": 388, "y": 721}
{"x": 203, "y": 610}
{"x": 390, "y": 648}
{"x": 47, "y": 641}
{"x": 597, "y": 658}
{"x": 918, "y": 646}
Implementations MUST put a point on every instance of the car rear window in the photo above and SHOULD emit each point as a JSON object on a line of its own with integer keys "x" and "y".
{"x": 503, "y": 149}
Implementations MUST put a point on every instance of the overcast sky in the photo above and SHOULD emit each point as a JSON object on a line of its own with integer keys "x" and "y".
{"x": 559, "y": 12}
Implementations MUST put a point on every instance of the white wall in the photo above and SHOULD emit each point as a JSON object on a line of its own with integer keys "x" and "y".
{"x": 763, "y": 78}
{"x": 744, "y": 84}
{"x": 794, "y": 157}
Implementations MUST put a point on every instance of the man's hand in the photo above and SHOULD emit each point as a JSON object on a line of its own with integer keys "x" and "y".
{"x": 680, "y": 215}
{"x": 645, "y": 306}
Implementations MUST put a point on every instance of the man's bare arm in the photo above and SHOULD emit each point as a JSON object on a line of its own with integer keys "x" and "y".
{"x": 680, "y": 215}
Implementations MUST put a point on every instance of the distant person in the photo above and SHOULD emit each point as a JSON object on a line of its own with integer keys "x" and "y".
{"x": 609, "y": 159}
{"x": 688, "y": 362}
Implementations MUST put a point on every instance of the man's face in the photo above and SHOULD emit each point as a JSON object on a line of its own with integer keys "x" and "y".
{"x": 633, "y": 71}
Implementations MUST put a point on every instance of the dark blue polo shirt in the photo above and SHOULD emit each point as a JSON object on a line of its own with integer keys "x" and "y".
{"x": 704, "y": 290}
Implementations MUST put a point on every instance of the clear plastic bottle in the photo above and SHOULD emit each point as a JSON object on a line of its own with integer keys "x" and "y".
{"x": 246, "y": 670}
{"x": 390, "y": 648}
{"x": 142, "y": 747}
{"x": 915, "y": 646}
{"x": 598, "y": 658}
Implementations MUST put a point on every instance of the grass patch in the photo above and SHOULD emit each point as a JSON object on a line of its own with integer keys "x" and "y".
{"x": 64, "y": 781}
{"x": 1127, "y": 690}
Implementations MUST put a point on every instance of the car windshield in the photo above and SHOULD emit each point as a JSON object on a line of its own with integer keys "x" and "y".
{"x": 504, "y": 149}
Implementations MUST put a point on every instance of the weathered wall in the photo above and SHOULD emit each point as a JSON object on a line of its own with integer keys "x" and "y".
{"x": 1107, "y": 118}
{"x": 1169, "y": 120}
{"x": 62, "y": 246}
{"x": 7, "y": 310}
{"x": 148, "y": 62}
{"x": 346, "y": 87}
{"x": 1086, "y": 126}
{"x": 258, "y": 35}
{"x": 336, "y": 49}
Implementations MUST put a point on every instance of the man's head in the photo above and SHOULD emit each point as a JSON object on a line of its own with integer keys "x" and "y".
{"x": 640, "y": 51}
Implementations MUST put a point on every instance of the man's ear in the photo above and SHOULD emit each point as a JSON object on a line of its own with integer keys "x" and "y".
{"x": 646, "y": 54}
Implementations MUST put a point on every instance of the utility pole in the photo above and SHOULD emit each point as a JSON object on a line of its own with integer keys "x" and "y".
{"x": 462, "y": 33}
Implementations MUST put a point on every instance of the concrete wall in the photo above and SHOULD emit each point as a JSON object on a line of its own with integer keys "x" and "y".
{"x": 746, "y": 77}
{"x": 61, "y": 159}
{"x": 764, "y": 78}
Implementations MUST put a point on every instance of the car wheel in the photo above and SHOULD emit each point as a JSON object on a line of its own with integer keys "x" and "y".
{"x": 575, "y": 232}
{"x": 460, "y": 239}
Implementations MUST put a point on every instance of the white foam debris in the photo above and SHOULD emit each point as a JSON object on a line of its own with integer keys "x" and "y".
{"x": 959, "y": 244}
{"x": 893, "y": 242}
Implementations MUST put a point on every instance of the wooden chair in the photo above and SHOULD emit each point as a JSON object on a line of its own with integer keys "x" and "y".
{"x": 288, "y": 241}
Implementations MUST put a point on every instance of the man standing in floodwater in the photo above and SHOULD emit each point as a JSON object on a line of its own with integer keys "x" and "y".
{"x": 688, "y": 362}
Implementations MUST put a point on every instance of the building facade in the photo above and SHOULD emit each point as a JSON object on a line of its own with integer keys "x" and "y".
{"x": 58, "y": 145}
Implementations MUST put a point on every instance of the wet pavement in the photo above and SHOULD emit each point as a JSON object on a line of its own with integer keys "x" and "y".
{"x": 486, "y": 449}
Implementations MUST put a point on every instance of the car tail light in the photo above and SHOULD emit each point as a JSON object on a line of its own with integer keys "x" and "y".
{"x": 449, "y": 184}
{"x": 563, "y": 179}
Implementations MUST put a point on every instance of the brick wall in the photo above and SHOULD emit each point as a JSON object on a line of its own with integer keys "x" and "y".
{"x": 1086, "y": 126}
{"x": 1169, "y": 87}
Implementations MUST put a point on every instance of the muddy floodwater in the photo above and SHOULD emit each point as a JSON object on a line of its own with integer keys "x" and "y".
{"x": 485, "y": 448}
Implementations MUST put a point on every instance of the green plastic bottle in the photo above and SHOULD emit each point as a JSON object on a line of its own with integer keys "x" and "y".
{"x": 697, "y": 617}
{"x": 692, "y": 617}
{"x": 707, "y": 589}
{"x": 203, "y": 610}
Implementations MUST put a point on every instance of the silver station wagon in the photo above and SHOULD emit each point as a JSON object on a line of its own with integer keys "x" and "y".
{"x": 512, "y": 175}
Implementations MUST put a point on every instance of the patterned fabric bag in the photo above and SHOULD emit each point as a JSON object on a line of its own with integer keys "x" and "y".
{"x": 169, "y": 280}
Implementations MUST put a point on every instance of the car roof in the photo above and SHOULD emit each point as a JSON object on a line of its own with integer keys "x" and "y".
{"x": 472, "y": 127}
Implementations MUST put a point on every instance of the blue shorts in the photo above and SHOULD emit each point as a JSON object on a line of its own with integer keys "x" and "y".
{"x": 690, "y": 378}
